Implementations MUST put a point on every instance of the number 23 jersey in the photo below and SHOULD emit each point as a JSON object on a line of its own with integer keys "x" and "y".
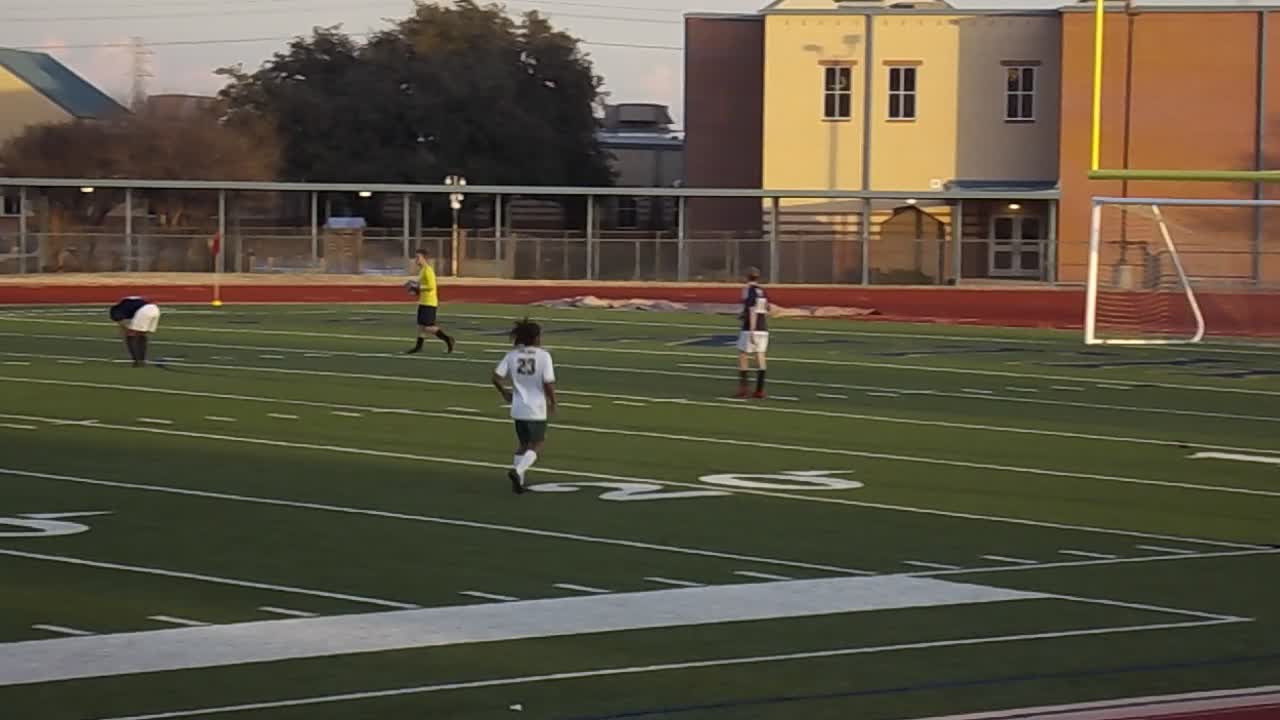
{"x": 530, "y": 368}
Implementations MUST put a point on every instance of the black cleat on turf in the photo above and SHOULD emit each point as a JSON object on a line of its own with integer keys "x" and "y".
{"x": 517, "y": 486}
{"x": 413, "y": 351}
{"x": 449, "y": 343}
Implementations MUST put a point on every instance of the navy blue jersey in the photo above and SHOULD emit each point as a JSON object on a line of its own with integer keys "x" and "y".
{"x": 755, "y": 302}
{"x": 127, "y": 308}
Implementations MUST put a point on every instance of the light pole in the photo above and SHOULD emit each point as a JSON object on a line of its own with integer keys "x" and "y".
{"x": 455, "y": 204}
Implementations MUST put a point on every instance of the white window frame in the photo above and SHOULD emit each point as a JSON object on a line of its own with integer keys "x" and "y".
{"x": 903, "y": 94}
{"x": 836, "y": 93}
{"x": 1020, "y": 92}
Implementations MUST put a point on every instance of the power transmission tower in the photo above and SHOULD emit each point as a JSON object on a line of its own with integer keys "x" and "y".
{"x": 141, "y": 71}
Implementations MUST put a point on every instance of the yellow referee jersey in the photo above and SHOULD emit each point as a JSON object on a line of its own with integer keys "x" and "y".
{"x": 428, "y": 293}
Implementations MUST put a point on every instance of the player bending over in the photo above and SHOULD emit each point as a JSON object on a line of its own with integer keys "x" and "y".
{"x": 137, "y": 318}
{"x": 428, "y": 302}
{"x": 532, "y": 395}
{"x": 753, "y": 339}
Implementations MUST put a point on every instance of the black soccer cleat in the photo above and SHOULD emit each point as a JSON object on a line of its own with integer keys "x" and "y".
{"x": 449, "y": 343}
{"x": 517, "y": 485}
{"x": 413, "y": 351}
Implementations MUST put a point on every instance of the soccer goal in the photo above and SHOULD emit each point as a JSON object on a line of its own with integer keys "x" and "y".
{"x": 1157, "y": 264}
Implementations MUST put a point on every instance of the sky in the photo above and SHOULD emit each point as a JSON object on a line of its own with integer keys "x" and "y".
{"x": 635, "y": 44}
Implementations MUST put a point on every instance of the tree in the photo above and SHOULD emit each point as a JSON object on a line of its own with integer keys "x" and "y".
{"x": 459, "y": 89}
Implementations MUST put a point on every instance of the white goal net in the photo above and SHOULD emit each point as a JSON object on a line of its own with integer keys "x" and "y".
{"x": 1159, "y": 267}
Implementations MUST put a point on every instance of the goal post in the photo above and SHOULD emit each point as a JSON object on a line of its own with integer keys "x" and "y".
{"x": 1154, "y": 262}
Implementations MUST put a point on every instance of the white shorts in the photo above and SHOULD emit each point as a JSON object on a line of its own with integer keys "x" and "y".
{"x": 753, "y": 342}
{"x": 146, "y": 320}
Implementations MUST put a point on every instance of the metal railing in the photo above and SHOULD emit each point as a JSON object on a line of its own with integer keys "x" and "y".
{"x": 795, "y": 236}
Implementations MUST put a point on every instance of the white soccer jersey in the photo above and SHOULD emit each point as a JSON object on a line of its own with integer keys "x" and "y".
{"x": 529, "y": 369}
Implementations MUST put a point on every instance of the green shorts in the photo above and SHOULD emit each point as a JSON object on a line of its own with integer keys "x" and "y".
{"x": 531, "y": 431}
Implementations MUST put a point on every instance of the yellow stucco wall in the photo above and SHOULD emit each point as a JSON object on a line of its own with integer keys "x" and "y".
{"x": 21, "y": 106}
{"x": 960, "y": 130}
{"x": 801, "y": 149}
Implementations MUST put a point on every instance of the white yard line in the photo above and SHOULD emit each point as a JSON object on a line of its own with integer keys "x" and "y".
{"x": 282, "y": 416}
{"x": 833, "y": 396}
{"x": 582, "y": 589}
{"x": 488, "y": 596}
{"x": 1067, "y": 388}
{"x": 933, "y": 565}
{"x": 287, "y": 612}
{"x": 62, "y": 630}
{"x": 659, "y": 668}
{"x": 70, "y": 362}
{"x": 219, "y": 418}
{"x": 1097, "y": 563}
{"x": 272, "y": 357}
{"x": 344, "y": 413}
{"x": 155, "y": 421}
{"x": 883, "y": 394}
{"x": 679, "y": 550}
{"x": 1006, "y": 559}
{"x": 184, "y": 622}
{"x": 1021, "y": 389}
{"x": 1141, "y": 409}
{"x": 790, "y": 496}
{"x": 672, "y": 353}
{"x": 1169, "y": 550}
{"x": 470, "y": 411}
{"x": 1087, "y": 554}
{"x": 760, "y": 575}
{"x": 576, "y": 406}
{"x": 628, "y": 403}
{"x": 203, "y": 578}
{"x": 17, "y": 362}
{"x": 17, "y": 426}
{"x": 674, "y": 583}
{"x": 1194, "y": 704}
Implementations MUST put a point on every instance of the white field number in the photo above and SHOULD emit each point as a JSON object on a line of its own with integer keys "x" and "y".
{"x": 796, "y": 480}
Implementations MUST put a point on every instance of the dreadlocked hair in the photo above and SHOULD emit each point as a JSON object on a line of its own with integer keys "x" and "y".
{"x": 526, "y": 332}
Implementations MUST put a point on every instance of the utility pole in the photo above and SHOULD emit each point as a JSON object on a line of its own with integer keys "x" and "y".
{"x": 140, "y": 71}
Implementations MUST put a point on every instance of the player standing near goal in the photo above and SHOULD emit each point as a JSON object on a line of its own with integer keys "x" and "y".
{"x": 137, "y": 318}
{"x": 428, "y": 302}
{"x": 753, "y": 339}
{"x": 532, "y": 395}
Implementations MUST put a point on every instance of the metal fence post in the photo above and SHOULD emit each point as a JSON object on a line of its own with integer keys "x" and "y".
{"x": 222, "y": 227}
{"x": 1051, "y": 252}
{"x": 315, "y": 228}
{"x": 405, "y": 200}
{"x": 682, "y": 233}
{"x": 957, "y": 242}
{"x": 497, "y": 231}
{"x": 775, "y": 255}
{"x": 128, "y": 229}
{"x": 22, "y": 232}
{"x": 865, "y": 231}
{"x": 590, "y": 235}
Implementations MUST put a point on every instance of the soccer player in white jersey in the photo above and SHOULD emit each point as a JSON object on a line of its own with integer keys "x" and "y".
{"x": 138, "y": 318}
{"x": 532, "y": 395}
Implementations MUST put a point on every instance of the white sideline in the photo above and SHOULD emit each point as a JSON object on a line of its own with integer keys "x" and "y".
{"x": 776, "y": 381}
{"x": 672, "y": 353}
{"x": 577, "y": 537}
{"x": 723, "y": 441}
{"x": 666, "y": 667}
{"x": 604, "y": 476}
{"x": 61, "y": 659}
{"x": 1188, "y": 703}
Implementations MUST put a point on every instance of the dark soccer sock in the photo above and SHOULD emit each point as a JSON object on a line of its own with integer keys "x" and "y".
{"x": 760, "y": 381}
{"x": 418, "y": 346}
{"x": 443, "y": 336}
{"x": 141, "y": 340}
{"x": 130, "y": 342}
{"x": 742, "y": 379}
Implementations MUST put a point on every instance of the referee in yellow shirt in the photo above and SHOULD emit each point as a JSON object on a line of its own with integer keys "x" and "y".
{"x": 428, "y": 303}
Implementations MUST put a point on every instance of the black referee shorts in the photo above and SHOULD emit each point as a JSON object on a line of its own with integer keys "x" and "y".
{"x": 426, "y": 315}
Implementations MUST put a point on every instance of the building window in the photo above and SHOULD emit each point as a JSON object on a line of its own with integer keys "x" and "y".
{"x": 902, "y": 93}
{"x": 628, "y": 213}
{"x": 10, "y": 205}
{"x": 837, "y": 92}
{"x": 1020, "y": 93}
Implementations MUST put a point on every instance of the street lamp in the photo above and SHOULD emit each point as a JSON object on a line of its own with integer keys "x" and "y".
{"x": 455, "y": 204}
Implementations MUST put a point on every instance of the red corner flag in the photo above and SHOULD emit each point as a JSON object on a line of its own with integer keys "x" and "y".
{"x": 215, "y": 246}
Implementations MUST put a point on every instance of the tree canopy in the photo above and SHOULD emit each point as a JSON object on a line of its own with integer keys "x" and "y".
{"x": 460, "y": 89}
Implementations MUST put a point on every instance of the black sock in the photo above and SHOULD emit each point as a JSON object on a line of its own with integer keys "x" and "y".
{"x": 130, "y": 342}
{"x": 760, "y": 381}
{"x": 742, "y": 378}
{"x": 441, "y": 334}
{"x": 418, "y": 345}
{"x": 142, "y": 349}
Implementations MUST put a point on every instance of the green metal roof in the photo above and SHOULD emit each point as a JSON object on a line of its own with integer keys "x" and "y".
{"x": 63, "y": 87}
